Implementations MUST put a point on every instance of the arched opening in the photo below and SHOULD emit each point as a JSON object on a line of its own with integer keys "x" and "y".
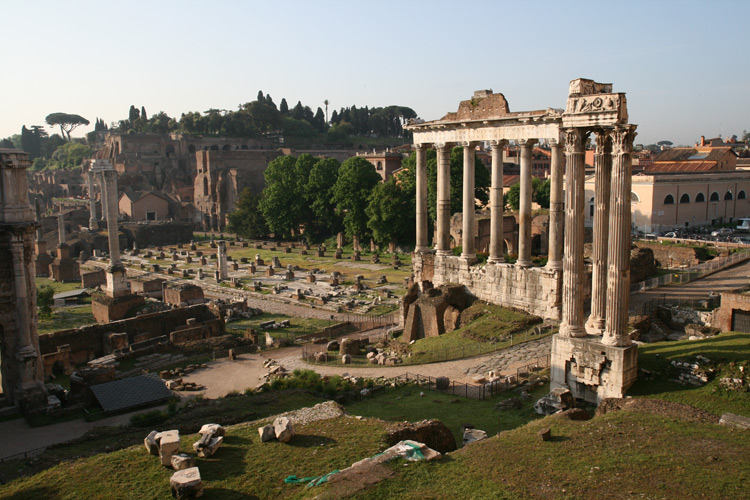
{"x": 191, "y": 149}
{"x": 214, "y": 148}
{"x": 669, "y": 200}
{"x": 380, "y": 165}
{"x": 699, "y": 198}
{"x": 741, "y": 195}
{"x": 714, "y": 196}
{"x": 205, "y": 186}
{"x": 591, "y": 207}
{"x": 169, "y": 150}
{"x": 728, "y": 196}
{"x": 536, "y": 244}
{"x": 634, "y": 198}
{"x": 685, "y": 198}
{"x": 226, "y": 147}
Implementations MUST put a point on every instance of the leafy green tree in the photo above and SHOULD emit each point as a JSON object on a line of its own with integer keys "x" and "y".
{"x": 513, "y": 197}
{"x": 297, "y": 128}
{"x": 70, "y": 155}
{"x": 31, "y": 140}
{"x": 66, "y": 121}
{"x": 319, "y": 121}
{"x": 7, "y": 143}
{"x": 318, "y": 194}
{"x": 281, "y": 202}
{"x": 391, "y": 213}
{"x": 357, "y": 178}
{"x": 50, "y": 145}
{"x": 539, "y": 194}
{"x": 284, "y": 108}
{"x": 44, "y": 300}
{"x": 247, "y": 220}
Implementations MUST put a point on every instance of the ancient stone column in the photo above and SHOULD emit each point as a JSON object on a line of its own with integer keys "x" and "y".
{"x": 93, "y": 223}
{"x": 38, "y": 213}
{"x": 496, "y": 203}
{"x": 23, "y": 343}
{"x": 103, "y": 191}
{"x": 443, "y": 198}
{"x": 524, "y": 209}
{"x": 602, "y": 179}
{"x": 554, "y": 254}
{"x": 468, "y": 250}
{"x": 573, "y": 275}
{"x": 421, "y": 198}
{"x": 222, "y": 258}
{"x": 618, "y": 279}
{"x": 61, "y": 228}
{"x": 110, "y": 188}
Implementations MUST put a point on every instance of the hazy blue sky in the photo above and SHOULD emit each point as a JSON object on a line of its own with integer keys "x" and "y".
{"x": 683, "y": 64}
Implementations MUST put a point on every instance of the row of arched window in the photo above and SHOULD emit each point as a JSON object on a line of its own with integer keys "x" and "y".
{"x": 700, "y": 198}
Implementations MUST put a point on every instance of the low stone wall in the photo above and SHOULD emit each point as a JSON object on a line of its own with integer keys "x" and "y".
{"x": 159, "y": 234}
{"x": 536, "y": 290}
{"x": 671, "y": 255}
{"x": 93, "y": 279}
{"x": 730, "y": 302}
{"x": 87, "y": 342}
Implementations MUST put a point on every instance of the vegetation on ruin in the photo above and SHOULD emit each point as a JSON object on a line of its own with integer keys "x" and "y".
{"x": 297, "y": 327}
{"x": 65, "y": 318}
{"x": 725, "y": 351}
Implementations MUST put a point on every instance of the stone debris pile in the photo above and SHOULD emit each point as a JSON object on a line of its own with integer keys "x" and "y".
{"x": 695, "y": 372}
{"x": 281, "y": 429}
{"x": 559, "y": 399}
{"x": 212, "y": 437}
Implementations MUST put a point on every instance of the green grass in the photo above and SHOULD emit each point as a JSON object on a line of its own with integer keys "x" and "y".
{"x": 57, "y": 286}
{"x": 722, "y": 350}
{"x": 489, "y": 331}
{"x": 298, "y": 326}
{"x": 405, "y": 403}
{"x": 619, "y": 455}
{"x": 64, "y": 318}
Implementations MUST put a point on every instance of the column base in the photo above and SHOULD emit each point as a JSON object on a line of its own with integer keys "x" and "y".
{"x": 591, "y": 370}
{"x": 572, "y": 331}
{"x": 594, "y": 326}
{"x": 554, "y": 265}
{"x": 421, "y": 249}
{"x": 470, "y": 258}
{"x": 443, "y": 253}
{"x": 523, "y": 263}
{"x": 495, "y": 260}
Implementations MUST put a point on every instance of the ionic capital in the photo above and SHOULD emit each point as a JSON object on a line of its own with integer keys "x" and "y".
{"x": 499, "y": 144}
{"x": 421, "y": 146}
{"x": 526, "y": 142}
{"x": 469, "y": 144}
{"x": 443, "y": 146}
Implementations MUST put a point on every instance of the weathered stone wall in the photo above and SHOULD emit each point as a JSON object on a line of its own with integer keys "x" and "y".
{"x": 87, "y": 342}
{"x": 183, "y": 294}
{"x": 157, "y": 235}
{"x": 198, "y": 331}
{"x": 730, "y": 302}
{"x": 93, "y": 278}
{"x": 535, "y": 290}
{"x": 671, "y": 255}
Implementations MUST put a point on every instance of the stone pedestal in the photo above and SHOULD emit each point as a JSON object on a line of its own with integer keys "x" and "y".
{"x": 592, "y": 370}
{"x": 107, "y": 309}
{"x": 64, "y": 268}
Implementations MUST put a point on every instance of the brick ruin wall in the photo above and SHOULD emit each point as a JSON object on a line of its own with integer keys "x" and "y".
{"x": 730, "y": 302}
{"x": 157, "y": 235}
{"x": 87, "y": 342}
{"x": 671, "y": 255}
{"x": 536, "y": 290}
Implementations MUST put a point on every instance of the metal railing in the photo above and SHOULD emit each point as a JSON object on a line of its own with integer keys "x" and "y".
{"x": 692, "y": 273}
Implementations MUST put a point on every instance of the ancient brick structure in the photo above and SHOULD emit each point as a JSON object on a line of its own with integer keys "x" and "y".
{"x": 20, "y": 362}
{"x": 183, "y": 294}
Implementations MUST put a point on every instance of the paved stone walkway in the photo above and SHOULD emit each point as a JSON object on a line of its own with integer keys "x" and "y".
{"x": 521, "y": 354}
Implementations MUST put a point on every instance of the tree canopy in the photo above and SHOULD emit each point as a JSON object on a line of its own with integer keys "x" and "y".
{"x": 66, "y": 121}
{"x": 357, "y": 178}
{"x": 247, "y": 220}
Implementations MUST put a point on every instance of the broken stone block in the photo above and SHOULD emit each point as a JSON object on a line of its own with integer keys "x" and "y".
{"x": 558, "y": 399}
{"x": 266, "y": 433}
{"x": 215, "y": 430}
{"x": 182, "y": 461}
{"x": 169, "y": 445}
{"x": 346, "y": 359}
{"x": 733, "y": 420}
{"x": 207, "y": 445}
{"x": 545, "y": 434}
{"x": 150, "y": 442}
{"x": 349, "y": 346}
{"x": 186, "y": 484}
{"x": 283, "y": 429}
{"x": 471, "y": 435}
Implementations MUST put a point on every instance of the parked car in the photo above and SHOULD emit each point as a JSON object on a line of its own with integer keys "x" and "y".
{"x": 724, "y": 231}
{"x": 670, "y": 234}
{"x": 650, "y": 236}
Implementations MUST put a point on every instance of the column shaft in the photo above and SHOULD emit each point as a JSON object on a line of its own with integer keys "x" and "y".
{"x": 23, "y": 343}
{"x": 524, "y": 209}
{"x": 573, "y": 275}
{"x": 496, "y": 204}
{"x": 421, "y": 198}
{"x": 618, "y": 282}
{"x": 103, "y": 191}
{"x": 467, "y": 234}
{"x": 110, "y": 187}
{"x": 443, "y": 199}
{"x": 602, "y": 179}
{"x": 554, "y": 254}
{"x": 61, "y": 228}
{"x": 92, "y": 202}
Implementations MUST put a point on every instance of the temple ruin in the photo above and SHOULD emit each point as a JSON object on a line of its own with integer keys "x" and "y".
{"x": 594, "y": 358}
{"x": 20, "y": 365}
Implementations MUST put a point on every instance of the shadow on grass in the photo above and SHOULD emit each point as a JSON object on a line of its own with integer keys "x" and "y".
{"x": 35, "y": 494}
{"x": 228, "y": 462}
{"x": 310, "y": 441}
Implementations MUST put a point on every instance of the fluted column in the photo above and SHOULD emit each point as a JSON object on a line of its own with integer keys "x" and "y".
{"x": 110, "y": 187}
{"x": 61, "y": 228}
{"x": 103, "y": 191}
{"x": 23, "y": 343}
{"x": 443, "y": 198}
{"x": 524, "y": 209}
{"x": 573, "y": 275}
{"x": 602, "y": 179}
{"x": 93, "y": 222}
{"x": 468, "y": 250}
{"x": 618, "y": 279}
{"x": 496, "y": 203}
{"x": 554, "y": 252}
{"x": 421, "y": 198}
